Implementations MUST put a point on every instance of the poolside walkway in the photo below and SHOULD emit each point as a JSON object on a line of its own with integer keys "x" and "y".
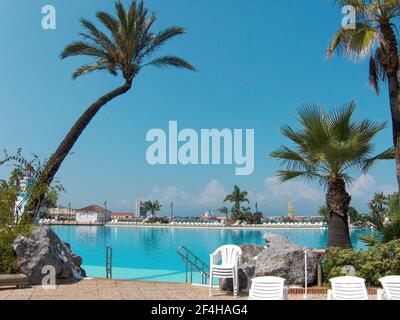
{"x": 101, "y": 289}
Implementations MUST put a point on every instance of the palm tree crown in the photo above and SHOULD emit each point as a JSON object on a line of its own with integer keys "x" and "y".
{"x": 128, "y": 46}
{"x": 373, "y": 35}
{"x": 328, "y": 146}
{"x": 237, "y": 197}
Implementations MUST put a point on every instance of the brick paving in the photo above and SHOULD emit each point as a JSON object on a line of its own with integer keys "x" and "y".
{"x": 102, "y": 289}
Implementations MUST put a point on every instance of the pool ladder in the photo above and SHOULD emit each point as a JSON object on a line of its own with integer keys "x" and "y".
{"x": 108, "y": 262}
{"x": 193, "y": 263}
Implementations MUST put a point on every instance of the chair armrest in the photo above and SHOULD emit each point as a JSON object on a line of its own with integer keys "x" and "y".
{"x": 381, "y": 295}
{"x": 329, "y": 295}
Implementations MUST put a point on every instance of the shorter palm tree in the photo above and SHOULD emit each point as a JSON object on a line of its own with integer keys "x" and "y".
{"x": 224, "y": 210}
{"x": 328, "y": 148}
{"x": 237, "y": 197}
{"x": 152, "y": 206}
{"x": 384, "y": 219}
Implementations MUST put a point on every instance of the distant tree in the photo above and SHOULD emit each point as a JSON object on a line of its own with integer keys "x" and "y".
{"x": 393, "y": 206}
{"x": 152, "y": 206}
{"x": 384, "y": 218}
{"x": 224, "y": 210}
{"x": 237, "y": 197}
{"x": 257, "y": 217}
{"x": 323, "y": 211}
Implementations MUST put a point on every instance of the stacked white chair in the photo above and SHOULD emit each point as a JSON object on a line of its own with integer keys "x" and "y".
{"x": 229, "y": 256}
{"x": 391, "y": 288}
{"x": 268, "y": 288}
{"x": 348, "y": 288}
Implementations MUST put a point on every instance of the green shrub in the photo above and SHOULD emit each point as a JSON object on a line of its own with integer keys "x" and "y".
{"x": 372, "y": 264}
{"x": 8, "y": 260}
{"x": 162, "y": 220}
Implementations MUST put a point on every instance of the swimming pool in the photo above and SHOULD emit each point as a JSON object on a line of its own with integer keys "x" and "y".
{"x": 142, "y": 253}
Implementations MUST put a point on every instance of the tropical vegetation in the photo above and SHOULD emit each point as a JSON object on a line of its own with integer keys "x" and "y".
{"x": 152, "y": 206}
{"x": 13, "y": 221}
{"x": 237, "y": 198}
{"x": 384, "y": 219}
{"x": 125, "y": 46}
{"x": 328, "y": 148}
{"x": 375, "y": 37}
{"x": 371, "y": 264}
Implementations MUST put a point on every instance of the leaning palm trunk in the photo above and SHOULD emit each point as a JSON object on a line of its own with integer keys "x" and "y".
{"x": 67, "y": 144}
{"x": 128, "y": 47}
{"x": 338, "y": 201}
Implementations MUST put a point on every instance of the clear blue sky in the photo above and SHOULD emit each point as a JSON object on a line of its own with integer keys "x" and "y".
{"x": 258, "y": 61}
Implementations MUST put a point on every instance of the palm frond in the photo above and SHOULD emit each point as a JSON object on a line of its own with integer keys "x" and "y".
{"x": 168, "y": 61}
{"x": 85, "y": 69}
{"x": 162, "y": 37}
{"x": 388, "y": 154}
{"x": 328, "y": 144}
{"x": 355, "y": 43}
{"x": 371, "y": 240}
{"x": 84, "y": 49}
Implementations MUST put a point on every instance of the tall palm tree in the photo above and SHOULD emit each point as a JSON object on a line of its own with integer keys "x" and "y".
{"x": 126, "y": 46}
{"x": 328, "y": 147}
{"x": 152, "y": 206}
{"x": 237, "y": 197}
{"x": 375, "y": 36}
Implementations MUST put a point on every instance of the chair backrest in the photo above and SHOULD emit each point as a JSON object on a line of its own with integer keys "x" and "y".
{"x": 391, "y": 284}
{"x": 267, "y": 288}
{"x": 349, "y": 288}
{"x": 229, "y": 254}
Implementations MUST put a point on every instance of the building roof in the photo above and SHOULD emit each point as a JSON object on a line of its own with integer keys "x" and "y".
{"x": 94, "y": 208}
{"x": 122, "y": 214}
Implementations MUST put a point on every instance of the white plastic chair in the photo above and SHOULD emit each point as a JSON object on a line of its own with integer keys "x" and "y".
{"x": 348, "y": 288}
{"x": 391, "y": 288}
{"x": 230, "y": 256}
{"x": 268, "y": 288}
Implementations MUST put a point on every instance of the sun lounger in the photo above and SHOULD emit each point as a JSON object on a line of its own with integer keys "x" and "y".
{"x": 348, "y": 288}
{"x": 391, "y": 288}
{"x": 268, "y": 288}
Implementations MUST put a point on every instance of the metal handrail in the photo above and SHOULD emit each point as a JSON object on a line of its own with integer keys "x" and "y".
{"x": 108, "y": 261}
{"x": 194, "y": 262}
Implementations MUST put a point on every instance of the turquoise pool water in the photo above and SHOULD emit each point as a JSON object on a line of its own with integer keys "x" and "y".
{"x": 150, "y": 253}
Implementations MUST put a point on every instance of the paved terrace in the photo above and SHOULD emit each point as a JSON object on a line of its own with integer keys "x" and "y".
{"x": 101, "y": 289}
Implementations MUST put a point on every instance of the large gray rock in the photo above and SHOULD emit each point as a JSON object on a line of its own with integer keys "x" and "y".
{"x": 44, "y": 248}
{"x": 278, "y": 258}
{"x": 284, "y": 259}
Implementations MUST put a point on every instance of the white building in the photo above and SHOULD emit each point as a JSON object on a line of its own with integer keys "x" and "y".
{"x": 25, "y": 182}
{"x": 62, "y": 213}
{"x": 93, "y": 214}
{"x": 139, "y": 209}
